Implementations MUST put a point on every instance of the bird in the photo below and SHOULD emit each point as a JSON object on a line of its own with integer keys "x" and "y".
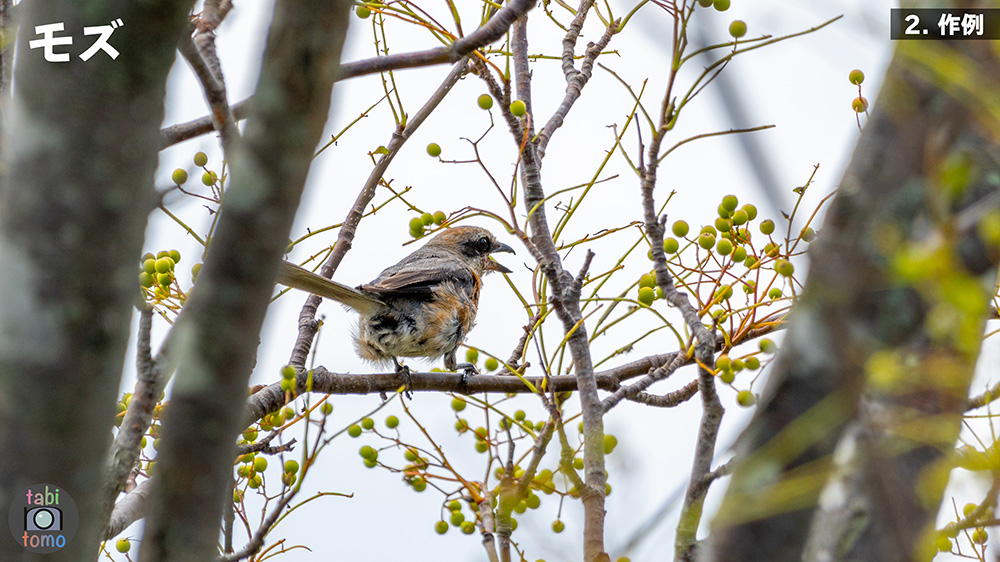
{"x": 423, "y": 306}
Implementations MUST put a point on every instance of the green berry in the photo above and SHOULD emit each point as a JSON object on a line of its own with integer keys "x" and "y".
{"x": 721, "y": 5}
{"x": 163, "y": 265}
{"x": 427, "y": 219}
{"x": 454, "y": 505}
{"x": 767, "y": 227}
{"x": 752, "y": 363}
{"x": 646, "y": 280}
{"x": 706, "y": 241}
{"x": 367, "y": 423}
{"x": 751, "y": 211}
{"x": 326, "y": 408}
{"x": 255, "y": 482}
{"x": 610, "y": 442}
{"x": 176, "y": 256}
{"x": 368, "y": 452}
{"x": 468, "y": 527}
{"x": 439, "y": 218}
{"x": 434, "y": 149}
{"x": 458, "y": 404}
{"x": 706, "y": 3}
{"x": 856, "y": 77}
{"x": 724, "y": 292}
{"x": 729, "y": 202}
{"x": 481, "y": 446}
{"x": 723, "y": 363}
{"x": 724, "y": 212}
{"x": 519, "y": 415}
{"x": 208, "y": 178}
{"x": 259, "y": 464}
{"x": 578, "y": 463}
{"x": 164, "y": 279}
{"x": 646, "y": 296}
{"x": 485, "y": 101}
{"x": 533, "y": 501}
{"x": 808, "y": 234}
{"x": 391, "y": 422}
{"x": 195, "y": 270}
{"x": 471, "y": 356}
{"x": 784, "y": 268}
{"x": 288, "y": 478}
{"x": 250, "y": 434}
{"x": 722, "y": 224}
{"x": 416, "y": 223}
{"x": 518, "y": 108}
{"x": 750, "y": 261}
{"x": 767, "y": 345}
{"x": 771, "y": 250}
{"x": 288, "y": 372}
{"x": 727, "y": 376}
{"x": 943, "y": 543}
{"x": 363, "y": 11}
{"x": 491, "y": 364}
{"x": 739, "y": 254}
{"x": 680, "y": 229}
{"x": 179, "y": 176}
{"x": 146, "y": 280}
{"x": 740, "y": 217}
{"x": 441, "y": 527}
{"x": 291, "y": 466}
{"x": 670, "y": 246}
{"x": 968, "y": 508}
{"x": 354, "y": 430}
{"x": 558, "y": 526}
{"x": 738, "y": 28}
{"x": 980, "y": 536}
{"x": 708, "y": 229}
{"x": 859, "y": 104}
{"x": 725, "y": 247}
{"x": 457, "y": 518}
{"x": 123, "y": 545}
{"x": 200, "y": 159}
{"x": 745, "y": 398}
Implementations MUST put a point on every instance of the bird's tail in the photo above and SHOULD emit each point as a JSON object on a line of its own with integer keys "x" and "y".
{"x": 299, "y": 278}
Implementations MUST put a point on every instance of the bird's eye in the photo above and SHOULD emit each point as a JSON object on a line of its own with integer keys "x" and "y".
{"x": 484, "y": 244}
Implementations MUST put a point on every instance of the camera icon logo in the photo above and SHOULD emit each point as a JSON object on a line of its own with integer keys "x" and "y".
{"x": 43, "y": 519}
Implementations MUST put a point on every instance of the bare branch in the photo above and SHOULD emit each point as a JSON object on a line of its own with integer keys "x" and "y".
{"x": 575, "y": 82}
{"x": 129, "y": 509}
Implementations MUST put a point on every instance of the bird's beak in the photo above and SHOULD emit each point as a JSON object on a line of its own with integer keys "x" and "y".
{"x": 501, "y": 247}
{"x": 493, "y": 265}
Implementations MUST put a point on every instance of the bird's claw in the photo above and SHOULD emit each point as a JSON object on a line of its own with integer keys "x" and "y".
{"x": 403, "y": 372}
{"x": 467, "y": 370}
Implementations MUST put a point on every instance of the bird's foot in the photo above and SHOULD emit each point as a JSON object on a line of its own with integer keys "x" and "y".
{"x": 403, "y": 372}
{"x": 467, "y": 371}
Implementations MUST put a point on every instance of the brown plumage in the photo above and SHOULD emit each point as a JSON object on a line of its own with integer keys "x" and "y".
{"x": 423, "y": 306}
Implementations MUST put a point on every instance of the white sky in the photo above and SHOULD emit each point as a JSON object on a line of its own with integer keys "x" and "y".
{"x": 800, "y": 86}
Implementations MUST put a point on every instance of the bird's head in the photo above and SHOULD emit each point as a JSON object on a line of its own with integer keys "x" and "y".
{"x": 474, "y": 244}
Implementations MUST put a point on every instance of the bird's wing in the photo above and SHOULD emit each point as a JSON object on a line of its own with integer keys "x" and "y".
{"x": 416, "y": 278}
{"x": 299, "y": 278}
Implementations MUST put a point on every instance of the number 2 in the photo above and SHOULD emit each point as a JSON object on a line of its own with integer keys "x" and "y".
{"x": 912, "y": 28}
